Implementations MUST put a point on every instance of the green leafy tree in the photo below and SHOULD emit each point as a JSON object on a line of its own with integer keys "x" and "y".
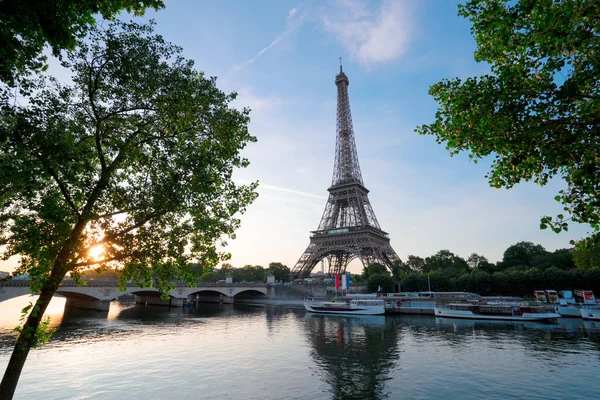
{"x": 27, "y": 26}
{"x": 380, "y": 282}
{"x": 587, "y": 255}
{"x": 280, "y": 271}
{"x": 538, "y": 111}
{"x": 476, "y": 261}
{"x": 249, "y": 273}
{"x": 400, "y": 269}
{"x": 135, "y": 156}
{"x": 446, "y": 261}
{"x": 415, "y": 263}
{"x": 522, "y": 254}
{"x": 373, "y": 269}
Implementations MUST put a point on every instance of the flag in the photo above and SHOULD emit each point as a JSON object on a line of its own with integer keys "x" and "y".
{"x": 379, "y": 288}
{"x": 344, "y": 282}
{"x": 337, "y": 282}
{"x": 348, "y": 281}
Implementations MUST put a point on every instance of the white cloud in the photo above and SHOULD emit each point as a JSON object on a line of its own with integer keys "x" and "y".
{"x": 258, "y": 104}
{"x": 292, "y": 12}
{"x": 371, "y": 36}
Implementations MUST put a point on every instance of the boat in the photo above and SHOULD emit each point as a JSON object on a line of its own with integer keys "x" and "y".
{"x": 585, "y": 296}
{"x": 590, "y": 312}
{"x": 551, "y": 296}
{"x": 540, "y": 295}
{"x": 566, "y": 305}
{"x": 348, "y": 307}
{"x": 422, "y": 302}
{"x": 496, "y": 310}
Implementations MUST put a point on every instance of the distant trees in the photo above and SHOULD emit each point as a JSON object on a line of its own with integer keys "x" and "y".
{"x": 281, "y": 272}
{"x": 380, "y": 282}
{"x": 415, "y": 263}
{"x": 445, "y": 260}
{"x": 248, "y": 273}
{"x": 525, "y": 267}
{"x": 476, "y": 261}
{"x": 522, "y": 254}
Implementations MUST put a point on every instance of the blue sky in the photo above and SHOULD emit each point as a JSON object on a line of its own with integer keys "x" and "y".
{"x": 282, "y": 56}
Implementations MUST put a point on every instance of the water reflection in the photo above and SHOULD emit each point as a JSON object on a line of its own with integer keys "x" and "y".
{"x": 355, "y": 354}
{"x": 122, "y": 320}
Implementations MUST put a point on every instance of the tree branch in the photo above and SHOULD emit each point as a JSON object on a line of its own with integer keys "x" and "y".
{"x": 59, "y": 182}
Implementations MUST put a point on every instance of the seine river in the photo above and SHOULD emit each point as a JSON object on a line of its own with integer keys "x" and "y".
{"x": 277, "y": 352}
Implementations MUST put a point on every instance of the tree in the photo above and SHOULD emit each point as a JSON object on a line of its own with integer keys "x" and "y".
{"x": 399, "y": 269}
{"x": 380, "y": 283}
{"x": 415, "y": 263}
{"x": 249, "y": 273}
{"x": 522, "y": 254}
{"x": 280, "y": 271}
{"x": 446, "y": 261}
{"x": 475, "y": 261}
{"x": 587, "y": 255}
{"x": 374, "y": 269}
{"x": 27, "y": 26}
{"x": 135, "y": 158}
{"x": 538, "y": 112}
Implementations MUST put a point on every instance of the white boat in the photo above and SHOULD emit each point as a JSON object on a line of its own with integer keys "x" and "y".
{"x": 569, "y": 310}
{"x": 590, "y": 312}
{"x": 422, "y": 302}
{"x": 566, "y": 305}
{"x": 495, "y": 311}
{"x": 348, "y": 307}
{"x": 578, "y": 304}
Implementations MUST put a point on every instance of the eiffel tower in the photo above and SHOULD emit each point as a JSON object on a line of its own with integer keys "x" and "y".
{"x": 348, "y": 228}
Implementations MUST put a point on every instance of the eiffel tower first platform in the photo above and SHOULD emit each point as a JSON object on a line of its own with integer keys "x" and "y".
{"x": 348, "y": 228}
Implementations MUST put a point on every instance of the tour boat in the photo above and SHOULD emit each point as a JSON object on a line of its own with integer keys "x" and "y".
{"x": 422, "y": 302}
{"x": 348, "y": 307}
{"x": 505, "y": 311}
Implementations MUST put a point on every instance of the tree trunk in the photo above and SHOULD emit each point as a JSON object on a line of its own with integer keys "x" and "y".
{"x": 26, "y": 340}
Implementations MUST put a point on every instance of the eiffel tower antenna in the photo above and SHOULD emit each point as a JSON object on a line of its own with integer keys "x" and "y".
{"x": 348, "y": 228}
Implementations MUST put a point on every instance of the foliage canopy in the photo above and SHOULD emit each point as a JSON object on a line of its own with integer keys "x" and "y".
{"x": 135, "y": 157}
{"x": 538, "y": 112}
{"x": 27, "y": 26}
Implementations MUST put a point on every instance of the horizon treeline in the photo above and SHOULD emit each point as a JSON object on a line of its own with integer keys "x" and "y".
{"x": 525, "y": 267}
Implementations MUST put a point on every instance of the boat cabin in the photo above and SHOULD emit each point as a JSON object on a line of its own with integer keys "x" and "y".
{"x": 585, "y": 296}
{"x": 551, "y": 295}
{"x": 566, "y": 297}
{"x": 540, "y": 295}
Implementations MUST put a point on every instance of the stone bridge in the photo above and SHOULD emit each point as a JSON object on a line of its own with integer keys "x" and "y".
{"x": 98, "y": 294}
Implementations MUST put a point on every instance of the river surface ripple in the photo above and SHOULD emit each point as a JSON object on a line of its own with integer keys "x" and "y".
{"x": 277, "y": 352}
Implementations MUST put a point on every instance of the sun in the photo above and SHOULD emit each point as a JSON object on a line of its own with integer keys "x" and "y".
{"x": 96, "y": 253}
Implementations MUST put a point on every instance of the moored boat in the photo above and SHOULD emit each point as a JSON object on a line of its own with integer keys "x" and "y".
{"x": 506, "y": 311}
{"x": 348, "y": 307}
{"x": 590, "y": 312}
{"x": 585, "y": 296}
{"x": 567, "y": 307}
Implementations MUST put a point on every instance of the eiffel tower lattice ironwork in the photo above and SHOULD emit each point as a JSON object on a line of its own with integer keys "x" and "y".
{"x": 348, "y": 228}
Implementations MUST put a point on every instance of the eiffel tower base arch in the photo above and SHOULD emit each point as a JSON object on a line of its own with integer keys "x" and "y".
{"x": 340, "y": 248}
